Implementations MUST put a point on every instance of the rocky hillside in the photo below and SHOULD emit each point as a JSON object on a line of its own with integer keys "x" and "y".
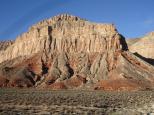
{"x": 131, "y": 41}
{"x": 67, "y": 52}
{"x": 144, "y": 46}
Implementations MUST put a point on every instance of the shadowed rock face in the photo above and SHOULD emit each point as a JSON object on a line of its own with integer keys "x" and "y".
{"x": 66, "y": 52}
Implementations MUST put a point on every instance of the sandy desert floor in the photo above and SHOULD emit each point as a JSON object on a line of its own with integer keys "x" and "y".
{"x": 47, "y": 102}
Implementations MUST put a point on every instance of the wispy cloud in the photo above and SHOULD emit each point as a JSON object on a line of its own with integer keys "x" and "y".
{"x": 149, "y": 21}
{"x": 36, "y": 12}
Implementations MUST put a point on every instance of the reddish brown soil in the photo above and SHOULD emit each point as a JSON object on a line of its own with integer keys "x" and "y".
{"x": 121, "y": 85}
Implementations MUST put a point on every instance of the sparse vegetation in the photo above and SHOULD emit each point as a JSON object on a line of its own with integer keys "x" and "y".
{"x": 32, "y": 101}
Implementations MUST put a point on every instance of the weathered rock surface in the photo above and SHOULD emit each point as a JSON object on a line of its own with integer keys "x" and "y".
{"x": 143, "y": 47}
{"x": 5, "y": 44}
{"x": 131, "y": 41}
{"x": 67, "y": 52}
{"x": 64, "y": 33}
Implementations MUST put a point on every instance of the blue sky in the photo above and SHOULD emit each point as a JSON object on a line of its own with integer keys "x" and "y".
{"x": 133, "y": 18}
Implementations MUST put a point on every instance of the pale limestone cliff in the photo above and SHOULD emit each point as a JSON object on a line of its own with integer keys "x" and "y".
{"x": 64, "y": 33}
{"x": 68, "y": 52}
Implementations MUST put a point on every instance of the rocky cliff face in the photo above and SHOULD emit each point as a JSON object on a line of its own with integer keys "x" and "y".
{"x": 67, "y": 52}
{"x": 144, "y": 46}
{"x": 64, "y": 33}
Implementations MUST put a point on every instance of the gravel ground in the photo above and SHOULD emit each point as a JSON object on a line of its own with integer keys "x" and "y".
{"x": 47, "y": 102}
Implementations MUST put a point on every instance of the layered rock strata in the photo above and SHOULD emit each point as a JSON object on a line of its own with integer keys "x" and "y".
{"x": 144, "y": 46}
{"x": 66, "y": 52}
